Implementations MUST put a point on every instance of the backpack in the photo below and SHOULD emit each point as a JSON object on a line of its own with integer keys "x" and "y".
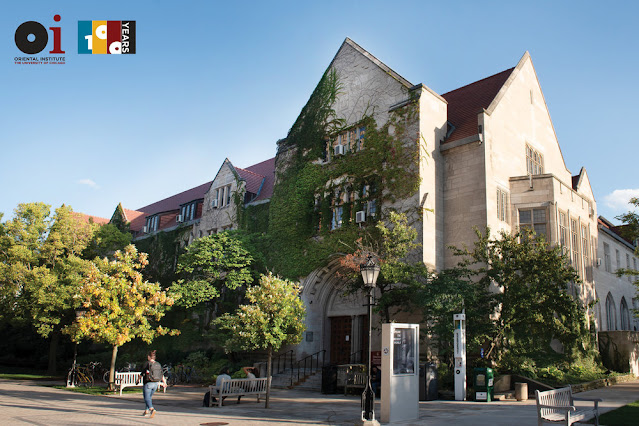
{"x": 155, "y": 372}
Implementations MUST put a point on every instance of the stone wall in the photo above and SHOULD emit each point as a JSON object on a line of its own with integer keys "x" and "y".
{"x": 620, "y": 350}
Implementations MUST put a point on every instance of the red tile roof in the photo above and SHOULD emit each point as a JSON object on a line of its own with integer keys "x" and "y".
{"x": 174, "y": 202}
{"x": 136, "y": 219}
{"x": 86, "y": 218}
{"x": 259, "y": 178}
{"x": 466, "y": 102}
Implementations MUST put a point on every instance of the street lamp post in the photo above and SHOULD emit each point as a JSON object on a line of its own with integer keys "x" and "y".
{"x": 370, "y": 272}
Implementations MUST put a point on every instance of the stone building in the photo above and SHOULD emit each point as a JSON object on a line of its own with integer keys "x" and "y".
{"x": 492, "y": 158}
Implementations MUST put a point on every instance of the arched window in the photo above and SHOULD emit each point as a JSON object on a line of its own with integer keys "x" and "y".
{"x": 611, "y": 313}
{"x": 625, "y": 315}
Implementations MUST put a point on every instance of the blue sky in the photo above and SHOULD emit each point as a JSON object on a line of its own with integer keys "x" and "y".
{"x": 212, "y": 80}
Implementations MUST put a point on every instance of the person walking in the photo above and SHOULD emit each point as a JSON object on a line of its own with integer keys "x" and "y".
{"x": 152, "y": 378}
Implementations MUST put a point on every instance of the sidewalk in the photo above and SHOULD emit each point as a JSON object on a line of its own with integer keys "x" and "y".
{"x": 30, "y": 403}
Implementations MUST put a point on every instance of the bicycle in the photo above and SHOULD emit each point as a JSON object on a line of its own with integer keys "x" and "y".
{"x": 80, "y": 376}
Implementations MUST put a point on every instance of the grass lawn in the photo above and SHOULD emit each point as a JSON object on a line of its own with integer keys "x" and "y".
{"x": 628, "y": 415}
{"x": 16, "y": 373}
{"x": 98, "y": 390}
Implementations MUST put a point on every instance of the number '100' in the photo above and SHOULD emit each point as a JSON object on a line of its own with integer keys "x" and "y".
{"x": 106, "y": 37}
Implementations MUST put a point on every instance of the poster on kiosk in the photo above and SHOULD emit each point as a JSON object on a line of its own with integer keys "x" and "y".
{"x": 459, "y": 321}
{"x": 400, "y": 372}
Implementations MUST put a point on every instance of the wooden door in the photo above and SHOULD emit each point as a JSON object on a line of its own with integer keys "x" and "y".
{"x": 341, "y": 340}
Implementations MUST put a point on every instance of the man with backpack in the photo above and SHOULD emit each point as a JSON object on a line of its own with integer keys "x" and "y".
{"x": 152, "y": 378}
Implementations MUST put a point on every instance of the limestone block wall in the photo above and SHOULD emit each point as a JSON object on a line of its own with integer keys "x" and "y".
{"x": 222, "y": 217}
{"x": 432, "y": 130}
{"x": 464, "y": 197}
{"x": 619, "y": 288}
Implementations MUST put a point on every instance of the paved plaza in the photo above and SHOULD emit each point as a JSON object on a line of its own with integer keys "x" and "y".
{"x": 24, "y": 402}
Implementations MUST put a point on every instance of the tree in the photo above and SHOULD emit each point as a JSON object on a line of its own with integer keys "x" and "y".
{"x": 273, "y": 317}
{"x": 211, "y": 267}
{"x": 630, "y": 231}
{"x": 400, "y": 277}
{"x": 120, "y": 305}
{"x": 106, "y": 241}
{"x": 531, "y": 281}
{"x": 40, "y": 265}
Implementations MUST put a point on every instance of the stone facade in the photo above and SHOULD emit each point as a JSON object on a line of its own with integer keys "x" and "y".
{"x": 490, "y": 158}
{"x": 616, "y": 295}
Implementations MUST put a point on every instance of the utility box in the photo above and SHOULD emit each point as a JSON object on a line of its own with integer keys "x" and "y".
{"x": 428, "y": 382}
{"x": 483, "y": 384}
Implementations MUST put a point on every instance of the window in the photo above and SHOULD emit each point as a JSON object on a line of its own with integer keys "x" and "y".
{"x": 563, "y": 233}
{"x": 607, "y": 261}
{"x": 336, "y": 221}
{"x": 617, "y": 259}
{"x": 152, "y": 224}
{"x": 534, "y": 161}
{"x": 586, "y": 253}
{"x": 625, "y": 315}
{"x": 502, "y": 205}
{"x": 611, "y": 313}
{"x": 351, "y": 139}
{"x": 574, "y": 240}
{"x": 533, "y": 219}
{"x": 628, "y": 267}
{"x": 228, "y": 196}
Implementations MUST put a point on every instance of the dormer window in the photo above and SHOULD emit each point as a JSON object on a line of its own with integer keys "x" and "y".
{"x": 152, "y": 224}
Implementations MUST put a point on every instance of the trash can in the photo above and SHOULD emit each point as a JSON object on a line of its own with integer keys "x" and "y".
{"x": 427, "y": 382}
{"x": 521, "y": 391}
{"x": 329, "y": 379}
{"x": 483, "y": 384}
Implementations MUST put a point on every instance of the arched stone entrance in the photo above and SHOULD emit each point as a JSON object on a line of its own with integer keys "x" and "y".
{"x": 335, "y": 321}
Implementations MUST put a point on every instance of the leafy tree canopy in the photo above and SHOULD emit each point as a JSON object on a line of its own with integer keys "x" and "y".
{"x": 210, "y": 265}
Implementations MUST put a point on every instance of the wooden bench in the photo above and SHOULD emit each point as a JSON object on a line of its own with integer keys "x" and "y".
{"x": 129, "y": 379}
{"x": 239, "y": 388}
{"x": 355, "y": 379}
{"x": 557, "y": 406}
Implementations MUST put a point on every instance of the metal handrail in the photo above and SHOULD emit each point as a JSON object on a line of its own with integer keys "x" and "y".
{"x": 281, "y": 361}
{"x": 314, "y": 360}
{"x": 354, "y": 360}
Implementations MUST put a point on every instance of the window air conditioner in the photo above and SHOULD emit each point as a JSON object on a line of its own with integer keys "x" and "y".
{"x": 214, "y": 203}
{"x": 339, "y": 149}
{"x": 179, "y": 218}
{"x": 360, "y": 216}
{"x": 598, "y": 261}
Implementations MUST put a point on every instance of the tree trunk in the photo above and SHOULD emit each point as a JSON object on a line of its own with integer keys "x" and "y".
{"x": 268, "y": 374}
{"x": 53, "y": 352}
{"x": 114, "y": 355}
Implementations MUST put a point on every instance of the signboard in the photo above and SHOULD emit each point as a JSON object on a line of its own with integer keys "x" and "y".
{"x": 403, "y": 351}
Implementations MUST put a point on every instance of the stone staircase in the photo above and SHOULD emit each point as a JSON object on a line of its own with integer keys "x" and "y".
{"x": 311, "y": 383}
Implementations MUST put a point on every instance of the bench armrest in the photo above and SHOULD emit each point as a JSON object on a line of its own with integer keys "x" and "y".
{"x": 559, "y": 407}
{"x": 587, "y": 399}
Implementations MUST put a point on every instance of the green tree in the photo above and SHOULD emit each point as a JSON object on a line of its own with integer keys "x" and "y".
{"x": 630, "y": 231}
{"x": 401, "y": 276}
{"x": 120, "y": 305}
{"x": 531, "y": 281}
{"x": 273, "y": 317}
{"x": 210, "y": 270}
{"x": 40, "y": 266}
{"x": 106, "y": 241}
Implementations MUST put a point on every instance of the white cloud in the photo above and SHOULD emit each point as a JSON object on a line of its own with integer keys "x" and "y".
{"x": 618, "y": 199}
{"x": 88, "y": 182}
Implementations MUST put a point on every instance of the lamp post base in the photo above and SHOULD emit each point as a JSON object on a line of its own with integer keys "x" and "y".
{"x": 370, "y": 423}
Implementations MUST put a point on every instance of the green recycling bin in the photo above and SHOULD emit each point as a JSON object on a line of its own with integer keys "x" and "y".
{"x": 483, "y": 384}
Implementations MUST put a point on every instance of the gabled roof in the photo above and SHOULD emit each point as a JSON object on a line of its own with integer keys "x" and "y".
{"x": 174, "y": 202}
{"x": 618, "y": 231}
{"x": 259, "y": 178}
{"x": 136, "y": 219}
{"x": 374, "y": 60}
{"x": 466, "y": 102}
